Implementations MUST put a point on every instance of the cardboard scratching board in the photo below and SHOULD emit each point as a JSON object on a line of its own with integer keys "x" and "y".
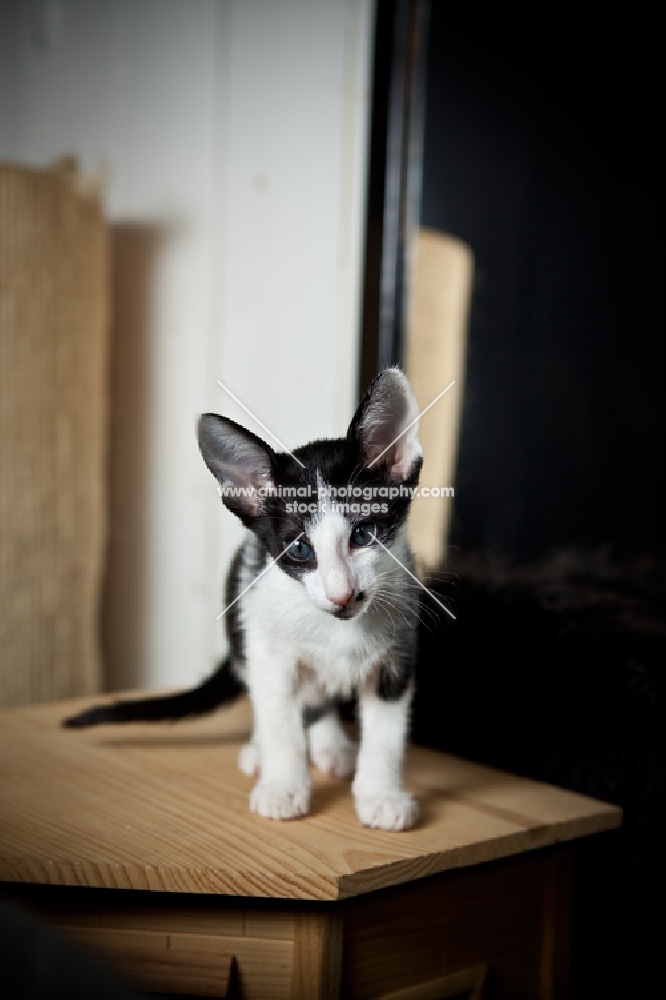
{"x": 440, "y": 291}
{"x": 53, "y": 351}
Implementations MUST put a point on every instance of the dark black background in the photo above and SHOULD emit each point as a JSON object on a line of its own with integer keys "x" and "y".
{"x": 541, "y": 151}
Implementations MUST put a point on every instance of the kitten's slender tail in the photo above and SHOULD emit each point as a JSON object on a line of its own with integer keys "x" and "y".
{"x": 221, "y": 687}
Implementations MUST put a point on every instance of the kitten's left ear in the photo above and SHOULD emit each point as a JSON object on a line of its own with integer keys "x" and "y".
{"x": 385, "y": 427}
{"x": 240, "y": 461}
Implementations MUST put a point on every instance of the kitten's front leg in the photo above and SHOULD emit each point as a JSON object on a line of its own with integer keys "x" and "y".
{"x": 283, "y": 790}
{"x": 331, "y": 750}
{"x": 381, "y": 800}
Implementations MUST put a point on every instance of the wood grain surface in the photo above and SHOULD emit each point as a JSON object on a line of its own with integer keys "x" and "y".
{"x": 163, "y": 807}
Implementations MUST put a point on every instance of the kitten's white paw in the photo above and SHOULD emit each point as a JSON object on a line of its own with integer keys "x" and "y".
{"x": 280, "y": 801}
{"x": 393, "y": 811}
{"x": 338, "y": 761}
{"x": 249, "y": 759}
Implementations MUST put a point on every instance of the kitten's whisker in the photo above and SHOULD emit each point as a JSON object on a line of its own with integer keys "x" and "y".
{"x": 395, "y": 607}
{"x": 400, "y": 608}
{"x": 413, "y": 610}
{"x": 409, "y": 573}
{"x": 418, "y": 608}
{"x": 385, "y": 606}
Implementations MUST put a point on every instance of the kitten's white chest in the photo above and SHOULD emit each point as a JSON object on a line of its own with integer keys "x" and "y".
{"x": 343, "y": 658}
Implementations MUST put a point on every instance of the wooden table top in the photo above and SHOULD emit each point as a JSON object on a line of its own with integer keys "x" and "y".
{"x": 164, "y": 807}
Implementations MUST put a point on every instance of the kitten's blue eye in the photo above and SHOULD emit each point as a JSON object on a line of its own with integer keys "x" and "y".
{"x": 300, "y": 550}
{"x": 363, "y": 534}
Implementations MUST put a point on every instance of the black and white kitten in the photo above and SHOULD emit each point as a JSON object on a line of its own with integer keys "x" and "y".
{"x": 335, "y": 613}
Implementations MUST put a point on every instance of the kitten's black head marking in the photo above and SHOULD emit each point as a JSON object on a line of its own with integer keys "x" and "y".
{"x": 381, "y": 450}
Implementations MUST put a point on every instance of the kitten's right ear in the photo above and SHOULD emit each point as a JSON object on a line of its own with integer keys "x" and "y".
{"x": 239, "y": 460}
{"x": 385, "y": 427}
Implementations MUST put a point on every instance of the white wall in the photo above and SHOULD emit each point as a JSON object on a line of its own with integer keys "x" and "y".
{"x": 237, "y": 132}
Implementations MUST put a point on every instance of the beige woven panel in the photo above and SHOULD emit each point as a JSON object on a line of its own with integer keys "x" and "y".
{"x": 53, "y": 352}
{"x": 439, "y": 300}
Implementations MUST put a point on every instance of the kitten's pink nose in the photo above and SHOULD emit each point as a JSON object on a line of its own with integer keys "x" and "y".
{"x": 342, "y": 600}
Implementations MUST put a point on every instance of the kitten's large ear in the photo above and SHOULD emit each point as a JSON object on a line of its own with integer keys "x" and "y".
{"x": 385, "y": 427}
{"x": 239, "y": 460}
